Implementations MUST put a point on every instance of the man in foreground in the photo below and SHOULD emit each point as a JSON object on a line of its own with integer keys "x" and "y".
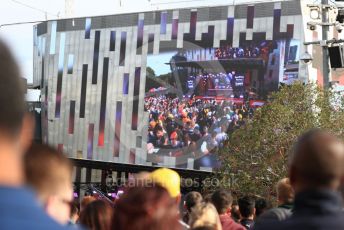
{"x": 315, "y": 171}
{"x": 285, "y": 197}
{"x": 247, "y": 210}
{"x": 19, "y": 209}
{"x": 170, "y": 180}
{"x": 49, "y": 173}
{"x": 191, "y": 200}
{"x": 222, "y": 201}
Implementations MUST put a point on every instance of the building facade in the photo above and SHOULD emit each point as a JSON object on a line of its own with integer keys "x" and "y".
{"x": 92, "y": 71}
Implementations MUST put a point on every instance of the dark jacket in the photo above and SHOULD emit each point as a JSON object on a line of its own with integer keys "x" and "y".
{"x": 313, "y": 209}
{"x": 280, "y": 213}
{"x": 248, "y": 224}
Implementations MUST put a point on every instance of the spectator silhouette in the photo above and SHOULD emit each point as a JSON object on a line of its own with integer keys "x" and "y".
{"x": 170, "y": 180}
{"x": 85, "y": 201}
{"x": 247, "y": 210}
{"x": 146, "y": 208}
{"x": 315, "y": 171}
{"x": 97, "y": 215}
{"x": 262, "y": 205}
{"x": 19, "y": 208}
{"x": 204, "y": 215}
{"x": 222, "y": 201}
{"x": 49, "y": 173}
{"x": 190, "y": 201}
{"x": 285, "y": 196}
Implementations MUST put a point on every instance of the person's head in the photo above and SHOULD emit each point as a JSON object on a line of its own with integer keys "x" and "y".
{"x": 97, "y": 215}
{"x": 85, "y": 201}
{"x": 159, "y": 132}
{"x": 222, "y": 201}
{"x": 152, "y": 124}
{"x": 192, "y": 199}
{"x": 169, "y": 179}
{"x": 247, "y": 206}
{"x": 285, "y": 192}
{"x": 145, "y": 208}
{"x": 205, "y": 130}
{"x": 261, "y": 206}
{"x": 174, "y": 138}
{"x": 16, "y": 126}
{"x": 186, "y": 138}
{"x": 316, "y": 161}
{"x": 49, "y": 173}
{"x": 204, "y": 215}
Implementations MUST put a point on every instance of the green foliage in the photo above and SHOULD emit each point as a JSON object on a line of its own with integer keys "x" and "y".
{"x": 150, "y": 72}
{"x": 153, "y": 81}
{"x": 256, "y": 155}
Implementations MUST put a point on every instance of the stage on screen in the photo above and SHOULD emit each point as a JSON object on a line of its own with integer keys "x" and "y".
{"x": 198, "y": 96}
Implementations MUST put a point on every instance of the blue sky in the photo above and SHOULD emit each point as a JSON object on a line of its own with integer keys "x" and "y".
{"x": 157, "y": 62}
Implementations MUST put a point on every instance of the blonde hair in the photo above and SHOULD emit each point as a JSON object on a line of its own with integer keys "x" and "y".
{"x": 285, "y": 192}
{"x": 204, "y": 215}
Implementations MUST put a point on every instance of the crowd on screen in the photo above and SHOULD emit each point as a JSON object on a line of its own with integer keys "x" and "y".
{"x": 36, "y": 191}
{"x": 251, "y": 51}
{"x": 192, "y": 125}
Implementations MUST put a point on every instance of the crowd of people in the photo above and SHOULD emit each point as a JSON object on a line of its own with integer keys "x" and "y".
{"x": 36, "y": 180}
{"x": 250, "y": 51}
{"x": 196, "y": 128}
{"x": 308, "y": 199}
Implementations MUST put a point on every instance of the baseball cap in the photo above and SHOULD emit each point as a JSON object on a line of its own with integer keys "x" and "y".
{"x": 167, "y": 178}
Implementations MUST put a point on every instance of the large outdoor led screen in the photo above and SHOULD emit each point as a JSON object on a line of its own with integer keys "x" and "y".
{"x": 197, "y": 96}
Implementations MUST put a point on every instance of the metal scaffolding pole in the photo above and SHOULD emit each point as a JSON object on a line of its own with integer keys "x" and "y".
{"x": 325, "y": 31}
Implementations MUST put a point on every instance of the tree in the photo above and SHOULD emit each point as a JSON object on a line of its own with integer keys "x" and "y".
{"x": 255, "y": 156}
{"x": 153, "y": 81}
{"x": 150, "y": 79}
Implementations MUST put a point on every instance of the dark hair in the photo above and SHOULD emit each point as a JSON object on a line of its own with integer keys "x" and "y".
{"x": 191, "y": 199}
{"x": 261, "y": 206}
{"x": 12, "y": 103}
{"x": 246, "y": 206}
{"x": 145, "y": 208}
{"x": 158, "y": 128}
{"x": 222, "y": 200}
{"x": 97, "y": 215}
{"x": 85, "y": 201}
{"x": 314, "y": 161}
